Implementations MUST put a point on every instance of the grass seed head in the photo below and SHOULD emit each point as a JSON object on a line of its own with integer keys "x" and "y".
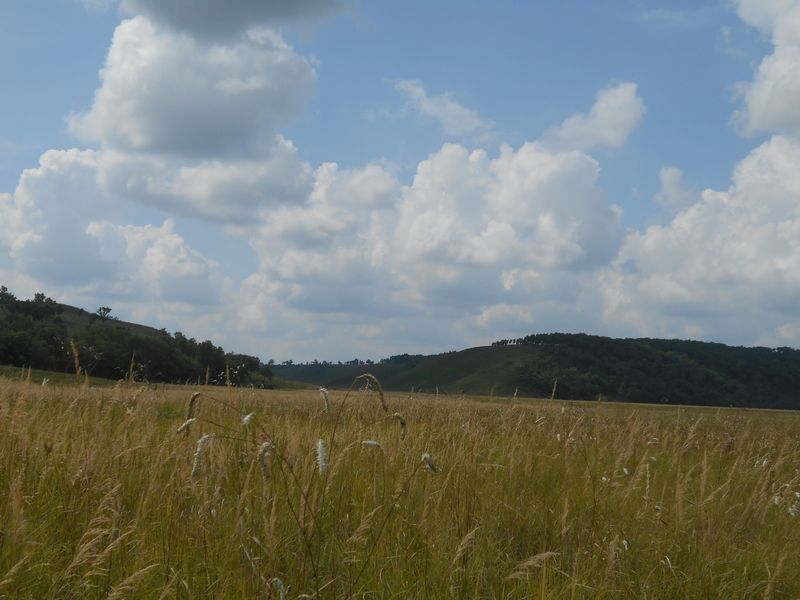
{"x": 324, "y": 393}
{"x": 322, "y": 457}
{"x": 402, "y": 422}
{"x": 198, "y": 454}
{"x": 192, "y": 402}
{"x": 372, "y": 380}
{"x": 187, "y": 424}
{"x": 248, "y": 419}
{"x": 280, "y": 587}
{"x": 263, "y": 456}
{"x": 427, "y": 460}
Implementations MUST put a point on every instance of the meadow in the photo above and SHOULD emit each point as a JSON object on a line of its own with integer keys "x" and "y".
{"x": 287, "y": 494}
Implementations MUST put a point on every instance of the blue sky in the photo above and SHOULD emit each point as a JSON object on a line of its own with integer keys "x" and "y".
{"x": 323, "y": 179}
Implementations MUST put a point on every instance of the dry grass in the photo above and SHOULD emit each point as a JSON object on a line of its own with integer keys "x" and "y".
{"x": 531, "y": 500}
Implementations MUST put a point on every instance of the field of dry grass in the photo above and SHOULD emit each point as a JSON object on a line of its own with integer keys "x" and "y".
{"x": 100, "y": 497}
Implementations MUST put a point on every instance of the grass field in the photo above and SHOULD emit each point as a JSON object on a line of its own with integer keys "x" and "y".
{"x": 100, "y": 497}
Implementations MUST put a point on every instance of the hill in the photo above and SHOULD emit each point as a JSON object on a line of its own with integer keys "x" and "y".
{"x": 44, "y": 334}
{"x": 585, "y": 367}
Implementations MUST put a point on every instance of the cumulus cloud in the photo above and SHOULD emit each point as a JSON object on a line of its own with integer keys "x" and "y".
{"x": 614, "y": 115}
{"x": 189, "y": 127}
{"x": 220, "y": 18}
{"x": 472, "y": 240}
{"x": 57, "y": 229}
{"x": 42, "y": 220}
{"x": 454, "y": 119}
{"x": 674, "y": 193}
{"x": 727, "y": 267}
{"x": 165, "y": 92}
{"x": 227, "y": 190}
{"x": 155, "y": 259}
{"x": 772, "y": 99}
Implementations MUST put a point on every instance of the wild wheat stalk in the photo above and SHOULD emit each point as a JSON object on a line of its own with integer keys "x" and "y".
{"x": 187, "y": 424}
{"x": 198, "y": 454}
{"x": 322, "y": 457}
{"x": 324, "y": 393}
{"x": 263, "y": 456}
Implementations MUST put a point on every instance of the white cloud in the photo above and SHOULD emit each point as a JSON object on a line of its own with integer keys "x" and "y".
{"x": 155, "y": 259}
{"x": 188, "y": 127}
{"x": 674, "y": 193}
{"x": 166, "y": 93}
{"x": 764, "y": 13}
{"x": 727, "y": 267}
{"x": 454, "y": 119}
{"x": 473, "y": 240}
{"x": 772, "y": 99}
{"x": 614, "y": 115}
{"x": 58, "y": 231}
{"x": 43, "y": 218}
{"x": 220, "y": 18}
{"x": 228, "y": 190}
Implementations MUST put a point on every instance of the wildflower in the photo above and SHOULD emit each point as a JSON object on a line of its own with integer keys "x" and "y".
{"x": 248, "y": 419}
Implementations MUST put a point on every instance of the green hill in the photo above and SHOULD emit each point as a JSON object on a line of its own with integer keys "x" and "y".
{"x": 587, "y": 367}
{"x": 44, "y": 334}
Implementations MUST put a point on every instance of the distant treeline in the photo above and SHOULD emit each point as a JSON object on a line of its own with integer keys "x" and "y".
{"x": 43, "y": 334}
{"x": 669, "y": 371}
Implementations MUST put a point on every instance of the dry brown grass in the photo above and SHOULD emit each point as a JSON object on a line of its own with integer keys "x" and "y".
{"x": 532, "y": 499}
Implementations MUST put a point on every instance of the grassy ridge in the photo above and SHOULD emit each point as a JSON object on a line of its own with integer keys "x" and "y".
{"x": 585, "y": 366}
{"x": 101, "y": 498}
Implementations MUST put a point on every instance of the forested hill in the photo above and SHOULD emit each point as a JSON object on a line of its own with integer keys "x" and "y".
{"x": 44, "y": 334}
{"x": 585, "y": 366}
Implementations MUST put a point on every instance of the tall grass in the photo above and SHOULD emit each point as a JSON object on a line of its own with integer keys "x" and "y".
{"x": 546, "y": 499}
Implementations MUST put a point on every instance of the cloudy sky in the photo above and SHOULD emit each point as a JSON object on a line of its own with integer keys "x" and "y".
{"x": 339, "y": 178}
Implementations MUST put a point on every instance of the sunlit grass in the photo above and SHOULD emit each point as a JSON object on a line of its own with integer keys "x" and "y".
{"x": 100, "y": 496}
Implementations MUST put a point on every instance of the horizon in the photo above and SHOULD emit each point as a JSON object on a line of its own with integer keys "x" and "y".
{"x": 378, "y": 359}
{"x": 284, "y": 179}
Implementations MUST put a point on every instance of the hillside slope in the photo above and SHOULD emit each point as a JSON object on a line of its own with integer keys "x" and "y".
{"x": 585, "y": 367}
{"x": 44, "y": 334}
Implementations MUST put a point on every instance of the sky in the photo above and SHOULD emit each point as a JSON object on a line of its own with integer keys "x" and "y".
{"x": 331, "y": 179}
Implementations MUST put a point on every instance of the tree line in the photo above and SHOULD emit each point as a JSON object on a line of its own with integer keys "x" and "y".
{"x": 653, "y": 370}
